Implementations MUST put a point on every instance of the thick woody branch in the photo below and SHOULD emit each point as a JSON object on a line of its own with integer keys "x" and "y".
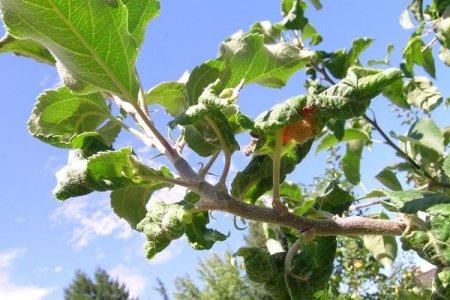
{"x": 212, "y": 199}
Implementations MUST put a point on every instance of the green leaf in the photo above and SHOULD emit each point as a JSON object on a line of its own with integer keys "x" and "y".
{"x": 249, "y": 60}
{"x": 139, "y": 14}
{"x": 27, "y": 48}
{"x": 291, "y": 192}
{"x": 443, "y": 28}
{"x": 352, "y": 160}
{"x": 389, "y": 180}
{"x": 416, "y": 8}
{"x": 383, "y": 247}
{"x": 337, "y": 127}
{"x": 350, "y": 134}
{"x": 428, "y": 133}
{"x": 413, "y": 55}
{"x": 444, "y": 55}
{"x": 60, "y": 115}
{"x": 201, "y": 139}
{"x": 432, "y": 242}
{"x": 446, "y": 134}
{"x": 420, "y": 92}
{"x": 293, "y": 13}
{"x": 342, "y": 60}
{"x": 271, "y": 31}
{"x": 171, "y": 95}
{"x": 394, "y": 93}
{"x": 202, "y": 76}
{"x": 316, "y": 3}
{"x": 441, "y": 285}
{"x": 333, "y": 199}
{"x": 412, "y": 201}
{"x": 446, "y": 165}
{"x": 256, "y": 178}
{"x": 425, "y": 142}
{"x": 387, "y": 59}
{"x": 82, "y": 41}
{"x": 130, "y": 202}
{"x": 200, "y": 237}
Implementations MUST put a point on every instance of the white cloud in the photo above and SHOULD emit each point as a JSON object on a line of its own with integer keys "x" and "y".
{"x": 135, "y": 282}
{"x": 166, "y": 195}
{"x": 92, "y": 218}
{"x": 9, "y": 290}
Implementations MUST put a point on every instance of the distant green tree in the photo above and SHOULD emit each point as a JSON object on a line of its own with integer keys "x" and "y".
{"x": 104, "y": 288}
{"x": 221, "y": 281}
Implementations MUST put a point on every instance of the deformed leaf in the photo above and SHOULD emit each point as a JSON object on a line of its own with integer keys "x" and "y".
{"x": 383, "y": 247}
{"x": 81, "y": 42}
{"x": 60, "y": 115}
{"x": 314, "y": 264}
{"x": 312, "y": 268}
{"x": 27, "y": 48}
{"x": 432, "y": 243}
{"x": 106, "y": 170}
{"x": 167, "y": 222}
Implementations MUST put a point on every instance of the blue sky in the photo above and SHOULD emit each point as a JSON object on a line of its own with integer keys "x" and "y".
{"x": 43, "y": 241}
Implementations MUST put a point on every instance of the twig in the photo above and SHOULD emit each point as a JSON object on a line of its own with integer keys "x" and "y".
{"x": 175, "y": 181}
{"x": 348, "y": 226}
{"x": 205, "y": 169}
{"x": 367, "y": 204}
{"x": 276, "y": 162}
{"x": 226, "y": 152}
{"x": 389, "y": 142}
